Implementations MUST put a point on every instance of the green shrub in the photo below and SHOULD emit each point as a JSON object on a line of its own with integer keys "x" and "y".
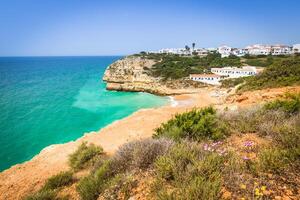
{"x": 273, "y": 159}
{"x": 196, "y": 125}
{"x": 43, "y": 195}
{"x": 59, "y": 180}
{"x": 83, "y": 154}
{"x": 91, "y": 186}
{"x": 187, "y": 172}
{"x": 291, "y": 104}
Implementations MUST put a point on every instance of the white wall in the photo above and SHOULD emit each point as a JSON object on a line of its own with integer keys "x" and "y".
{"x": 208, "y": 80}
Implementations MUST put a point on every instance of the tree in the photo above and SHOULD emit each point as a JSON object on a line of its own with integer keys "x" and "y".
{"x": 193, "y": 45}
{"x": 187, "y": 48}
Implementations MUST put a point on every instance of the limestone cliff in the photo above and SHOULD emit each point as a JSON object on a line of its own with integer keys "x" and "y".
{"x": 132, "y": 74}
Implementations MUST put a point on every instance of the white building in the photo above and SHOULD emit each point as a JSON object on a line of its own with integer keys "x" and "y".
{"x": 296, "y": 48}
{"x": 239, "y": 52}
{"x": 224, "y": 50}
{"x": 178, "y": 51}
{"x": 235, "y": 72}
{"x": 212, "y": 79}
{"x": 259, "y": 49}
{"x": 201, "y": 51}
{"x": 281, "y": 50}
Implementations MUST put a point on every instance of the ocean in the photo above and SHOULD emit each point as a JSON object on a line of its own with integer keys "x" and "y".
{"x": 51, "y": 100}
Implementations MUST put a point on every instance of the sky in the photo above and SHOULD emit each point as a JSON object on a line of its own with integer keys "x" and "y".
{"x": 121, "y": 27}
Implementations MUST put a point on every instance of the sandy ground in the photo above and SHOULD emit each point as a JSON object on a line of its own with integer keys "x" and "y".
{"x": 25, "y": 178}
{"x": 28, "y": 177}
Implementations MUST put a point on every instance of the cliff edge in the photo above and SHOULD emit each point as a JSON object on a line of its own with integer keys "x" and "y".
{"x": 132, "y": 73}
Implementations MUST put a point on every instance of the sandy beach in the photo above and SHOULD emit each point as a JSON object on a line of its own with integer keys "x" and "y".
{"x": 29, "y": 176}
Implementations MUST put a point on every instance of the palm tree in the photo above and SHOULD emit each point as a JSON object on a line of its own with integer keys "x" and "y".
{"x": 187, "y": 48}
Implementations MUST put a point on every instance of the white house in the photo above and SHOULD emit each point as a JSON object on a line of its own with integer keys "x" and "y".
{"x": 201, "y": 51}
{"x": 281, "y": 50}
{"x": 179, "y": 51}
{"x": 212, "y": 79}
{"x": 239, "y": 52}
{"x": 235, "y": 72}
{"x": 259, "y": 49}
{"x": 296, "y": 48}
{"x": 224, "y": 50}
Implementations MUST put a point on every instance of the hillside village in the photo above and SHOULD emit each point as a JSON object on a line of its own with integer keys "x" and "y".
{"x": 217, "y": 74}
{"x": 226, "y": 51}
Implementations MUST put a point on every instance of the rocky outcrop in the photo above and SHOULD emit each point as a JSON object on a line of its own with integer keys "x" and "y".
{"x": 132, "y": 74}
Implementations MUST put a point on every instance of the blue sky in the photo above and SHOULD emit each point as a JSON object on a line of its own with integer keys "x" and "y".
{"x": 102, "y": 27}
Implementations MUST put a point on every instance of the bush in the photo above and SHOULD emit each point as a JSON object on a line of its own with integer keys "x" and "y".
{"x": 91, "y": 186}
{"x": 290, "y": 105}
{"x": 189, "y": 173}
{"x": 59, "y": 180}
{"x": 43, "y": 195}
{"x": 83, "y": 154}
{"x": 273, "y": 159}
{"x": 140, "y": 154}
{"x": 196, "y": 125}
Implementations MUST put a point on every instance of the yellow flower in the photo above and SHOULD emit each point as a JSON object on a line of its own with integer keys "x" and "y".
{"x": 242, "y": 198}
{"x": 263, "y": 188}
{"x": 257, "y": 192}
{"x": 243, "y": 186}
{"x": 255, "y": 183}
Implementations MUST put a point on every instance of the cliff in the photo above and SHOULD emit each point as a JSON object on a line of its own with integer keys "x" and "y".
{"x": 132, "y": 73}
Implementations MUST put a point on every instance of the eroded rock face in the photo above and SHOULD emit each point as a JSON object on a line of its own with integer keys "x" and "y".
{"x": 130, "y": 74}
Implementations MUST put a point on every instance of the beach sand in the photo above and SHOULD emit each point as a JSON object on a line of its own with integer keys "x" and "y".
{"x": 29, "y": 176}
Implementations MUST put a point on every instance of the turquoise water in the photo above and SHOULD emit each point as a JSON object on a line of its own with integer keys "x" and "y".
{"x": 49, "y": 100}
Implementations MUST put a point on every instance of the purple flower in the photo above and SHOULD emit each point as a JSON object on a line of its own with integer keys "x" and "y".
{"x": 248, "y": 144}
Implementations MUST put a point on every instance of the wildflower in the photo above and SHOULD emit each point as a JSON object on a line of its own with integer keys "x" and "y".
{"x": 263, "y": 188}
{"x": 257, "y": 192}
{"x": 205, "y": 147}
{"x": 246, "y": 158}
{"x": 248, "y": 144}
{"x": 243, "y": 186}
{"x": 221, "y": 151}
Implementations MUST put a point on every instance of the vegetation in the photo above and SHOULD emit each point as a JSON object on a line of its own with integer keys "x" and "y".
{"x": 80, "y": 158}
{"x": 283, "y": 73}
{"x": 132, "y": 156}
{"x": 59, "y": 180}
{"x": 189, "y": 172}
{"x": 196, "y": 125}
{"x": 291, "y": 104}
{"x": 201, "y": 154}
{"x": 52, "y": 186}
{"x": 175, "y": 67}
{"x": 43, "y": 195}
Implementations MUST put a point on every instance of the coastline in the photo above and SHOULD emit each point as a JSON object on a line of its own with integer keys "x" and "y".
{"x": 22, "y": 179}
{"x": 27, "y": 177}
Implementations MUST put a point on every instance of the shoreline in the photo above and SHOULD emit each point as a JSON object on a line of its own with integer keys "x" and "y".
{"x": 28, "y": 177}
{"x": 21, "y": 179}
